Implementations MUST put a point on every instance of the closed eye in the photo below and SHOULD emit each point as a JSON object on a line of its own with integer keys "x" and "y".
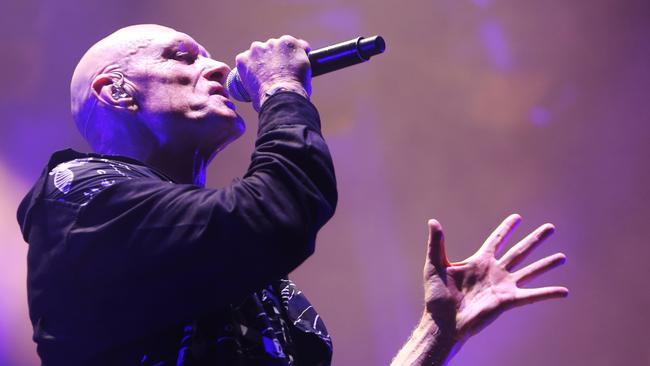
{"x": 185, "y": 57}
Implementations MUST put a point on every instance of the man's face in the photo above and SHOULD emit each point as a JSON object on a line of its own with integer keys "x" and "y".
{"x": 179, "y": 89}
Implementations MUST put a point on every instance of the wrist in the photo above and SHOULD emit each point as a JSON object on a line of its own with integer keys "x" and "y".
{"x": 269, "y": 89}
{"x": 429, "y": 345}
{"x": 445, "y": 334}
{"x": 443, "y": 341}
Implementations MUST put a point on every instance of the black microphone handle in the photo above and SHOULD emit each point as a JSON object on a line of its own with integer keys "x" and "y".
{"x": 322, "y": 60}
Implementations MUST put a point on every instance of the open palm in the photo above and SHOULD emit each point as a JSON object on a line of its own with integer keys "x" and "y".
{"x": 464, "y": 297}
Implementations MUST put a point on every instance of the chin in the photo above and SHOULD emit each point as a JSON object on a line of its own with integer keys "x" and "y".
{"x": 233, "y": 126}
{"x": 227, "y": 131}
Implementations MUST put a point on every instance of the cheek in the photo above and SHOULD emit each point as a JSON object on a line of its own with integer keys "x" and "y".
{"x": 183, "y": 80}
{"x": 177, "y": 75}
{"x": 161, "y": 100}
{"x": 169, "y": 97}
{"x": 169, "y": 86}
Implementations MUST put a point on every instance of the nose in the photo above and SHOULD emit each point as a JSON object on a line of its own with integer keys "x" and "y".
{"x": 216, "y": 71}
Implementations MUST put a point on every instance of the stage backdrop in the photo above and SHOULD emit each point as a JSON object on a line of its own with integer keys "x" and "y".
{"x": 476, "y": 110}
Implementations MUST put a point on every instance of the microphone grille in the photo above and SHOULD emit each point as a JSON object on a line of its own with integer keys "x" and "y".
{"x": 235, "y": 87}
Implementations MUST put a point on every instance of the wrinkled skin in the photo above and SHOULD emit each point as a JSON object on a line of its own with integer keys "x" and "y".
{"x": 477, "y": 290}
{"x": 464, "y": 297}
{"x": 278, "y": 62}
{"x": 174, "y": 114}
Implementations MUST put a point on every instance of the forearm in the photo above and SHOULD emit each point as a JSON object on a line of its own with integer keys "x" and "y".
{"x": 427, "y": 346}
{"x": 291, "y": 152}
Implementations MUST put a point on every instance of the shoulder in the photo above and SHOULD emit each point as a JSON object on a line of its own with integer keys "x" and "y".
{"x": 79, "y": 180}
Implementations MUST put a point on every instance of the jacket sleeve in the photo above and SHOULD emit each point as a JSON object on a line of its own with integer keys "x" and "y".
{"x": 152, "y": 250}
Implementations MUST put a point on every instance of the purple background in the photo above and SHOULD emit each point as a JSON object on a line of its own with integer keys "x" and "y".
{"x": 478, "y": 109}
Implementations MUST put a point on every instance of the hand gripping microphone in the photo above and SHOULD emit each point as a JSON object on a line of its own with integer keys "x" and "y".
{"x": 322, "y": 60}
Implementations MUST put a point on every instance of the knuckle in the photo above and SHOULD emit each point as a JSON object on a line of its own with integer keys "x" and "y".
{"x": 256, "y": 45}
{"x": 242, "y": 57}
{"x": 289, "y": 41}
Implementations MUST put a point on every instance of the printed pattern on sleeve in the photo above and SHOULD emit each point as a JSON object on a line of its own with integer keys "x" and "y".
{"x": 79, "y": 180}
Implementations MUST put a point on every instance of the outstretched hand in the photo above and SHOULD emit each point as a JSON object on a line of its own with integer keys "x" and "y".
{"x": 464, "y": 297}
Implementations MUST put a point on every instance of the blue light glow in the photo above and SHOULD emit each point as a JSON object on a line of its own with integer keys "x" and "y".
{"x": 496, "y": 45}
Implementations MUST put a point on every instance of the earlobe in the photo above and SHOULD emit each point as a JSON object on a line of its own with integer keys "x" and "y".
{"x": 109, "y": 88}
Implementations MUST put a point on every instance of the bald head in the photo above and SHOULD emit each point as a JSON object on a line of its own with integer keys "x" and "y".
{"x": 150, "y": 85}
{"x": 113, "y": 54}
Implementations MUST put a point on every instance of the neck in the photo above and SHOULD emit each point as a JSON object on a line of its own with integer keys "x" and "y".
{"x": 182, "y": 162}
{"x": 185, "y": 165}
{"x": 188, "y": 167}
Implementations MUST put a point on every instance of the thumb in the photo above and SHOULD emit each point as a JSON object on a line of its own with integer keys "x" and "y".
{"x": 436, "y": 245}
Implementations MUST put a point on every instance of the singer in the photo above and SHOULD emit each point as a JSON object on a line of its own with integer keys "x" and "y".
{"x": 132, "y": 261}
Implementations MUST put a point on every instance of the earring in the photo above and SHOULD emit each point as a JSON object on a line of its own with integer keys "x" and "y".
{"x": 118, "y": 92}
{"x": 117, "y": 89}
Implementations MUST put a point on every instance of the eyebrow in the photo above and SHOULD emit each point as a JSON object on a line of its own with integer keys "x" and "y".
{"x": 189, "y": 44}
{"x": 205, "y": 52}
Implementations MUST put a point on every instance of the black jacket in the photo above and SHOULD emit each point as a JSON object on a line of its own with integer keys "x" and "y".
{"x": 120, "y": 257}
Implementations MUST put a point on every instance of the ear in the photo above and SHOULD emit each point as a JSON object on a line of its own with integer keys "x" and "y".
{"x": 104, "y": 88}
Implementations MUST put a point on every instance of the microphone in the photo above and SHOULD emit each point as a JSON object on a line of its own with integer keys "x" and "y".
{"x": 322, "y": 60}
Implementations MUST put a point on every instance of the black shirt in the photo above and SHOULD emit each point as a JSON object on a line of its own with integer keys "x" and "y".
{"x": 127, "y": 267}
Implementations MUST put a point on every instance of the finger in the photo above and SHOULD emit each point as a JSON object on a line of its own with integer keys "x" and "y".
{"x": 436, "y": 245}
{"x": 288, "y": 42}
{"x": 256, "y": 46}
{"x": 521, "y": 250}
{"x": 501, "y": 234}
{"x": 285, "y": 38}
{"x": 526, "y": 296}
{"x": 533, "y": 270}
{"x": 242, "y": 57}
{"x": 304, "y": 45}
